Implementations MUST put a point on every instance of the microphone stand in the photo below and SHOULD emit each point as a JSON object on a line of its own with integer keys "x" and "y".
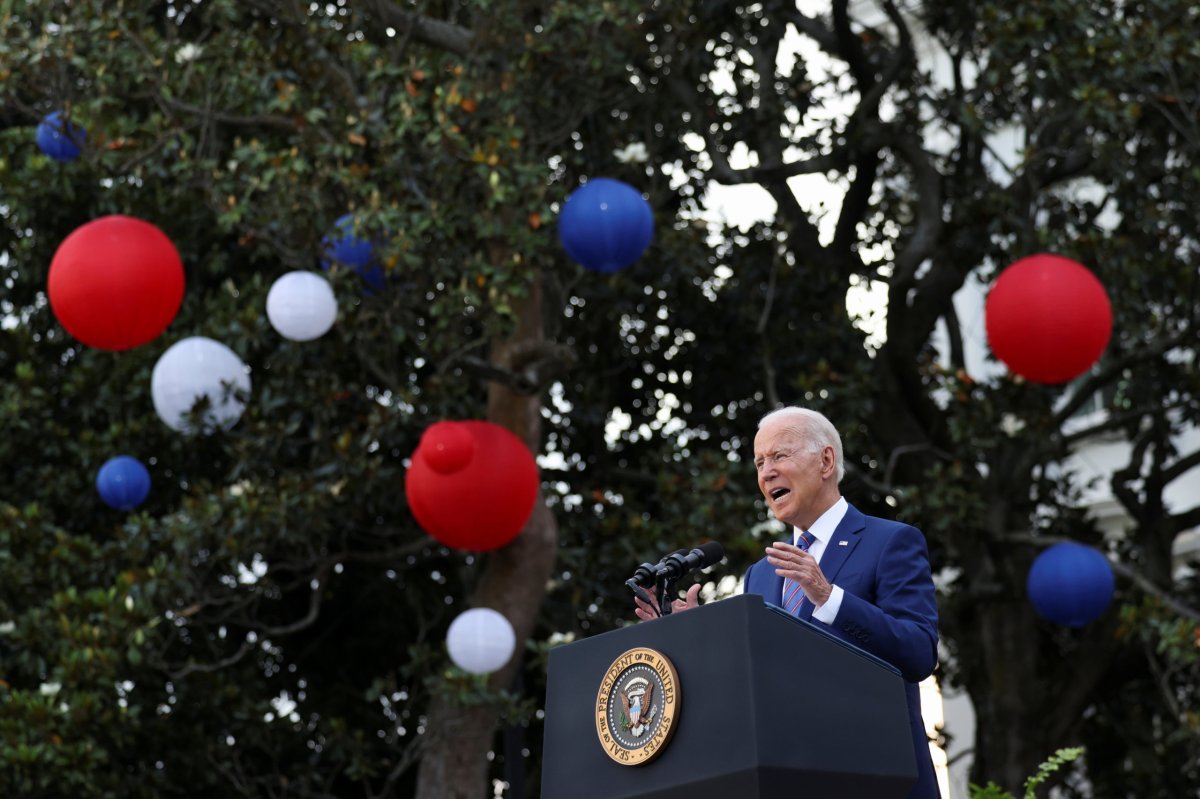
{"x": 666, "y": 594}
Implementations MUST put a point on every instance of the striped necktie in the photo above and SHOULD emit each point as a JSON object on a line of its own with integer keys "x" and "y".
{"x": 793, "y": 594}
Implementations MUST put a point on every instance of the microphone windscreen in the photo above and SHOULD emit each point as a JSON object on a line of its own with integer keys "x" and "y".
{"x": 713, "y": 553}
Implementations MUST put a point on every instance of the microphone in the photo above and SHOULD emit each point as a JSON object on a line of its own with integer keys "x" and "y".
{"x": 676, "y": 565}
{"x": 647, "y": 573}
{"x": 664, "y": 574}
{"x": 643, "y": 576}
{"x": 646, "y": 576}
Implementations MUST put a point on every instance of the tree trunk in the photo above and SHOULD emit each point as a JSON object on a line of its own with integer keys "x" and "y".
{"x": 1029, "y": 691}
{"x": 1029, "y": 695}
{"x": 1008, "y": 692}
{"x": 454, "y": 761}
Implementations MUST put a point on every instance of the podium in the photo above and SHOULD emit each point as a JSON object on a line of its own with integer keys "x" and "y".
{"x": 765, "y": 705}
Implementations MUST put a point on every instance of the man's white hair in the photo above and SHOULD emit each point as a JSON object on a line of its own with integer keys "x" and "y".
{"x": 814, "y": 429}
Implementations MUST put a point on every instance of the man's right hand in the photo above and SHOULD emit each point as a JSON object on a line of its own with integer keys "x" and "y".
{"x": 645, "y": 611}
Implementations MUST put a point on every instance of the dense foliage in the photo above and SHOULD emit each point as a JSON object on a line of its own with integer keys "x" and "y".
{"x": 270, "y": 623}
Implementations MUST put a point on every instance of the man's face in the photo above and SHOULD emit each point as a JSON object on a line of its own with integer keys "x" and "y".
{"x": 790, "y": 474}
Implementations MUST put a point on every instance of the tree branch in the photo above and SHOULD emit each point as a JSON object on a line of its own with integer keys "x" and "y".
{"x": 1112, "y": 371}
{"x": 434, "y": 32}
{"x": 1163, "y": 682}
{"x": 814, "y": 29}
{"x": 895, "y": 455}
{"x": 274, "y": 121}
{"x": 192, "y": 666}
{"x": 533, "y": 368}
{"x": 929, "y": 211}
{"x": 314, "y": 609}
{"x": 763, "y": 323}
{"x": 857, "y": 201}
{"x": 1180, "y": 466}
{"x": 1117, "y": 422}
{"x": 1186, "y": 520}
{"x": 1123, "y": 477}
{"x": 849, "y": 47}
{"x": 954, "y": 333}
{"x": 903, "y": 54}
{"x": 775, "y": 171}
{"x": 1148, "y": 586}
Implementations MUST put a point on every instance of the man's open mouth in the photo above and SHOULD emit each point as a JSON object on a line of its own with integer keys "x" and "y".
{"x": 780, "y": 492}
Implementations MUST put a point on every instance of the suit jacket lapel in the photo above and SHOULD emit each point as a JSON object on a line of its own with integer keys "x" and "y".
{"x": 770, "y": 585}
{"x": 845, "y": 539}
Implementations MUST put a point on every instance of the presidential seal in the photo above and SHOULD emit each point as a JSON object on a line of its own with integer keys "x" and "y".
{"x": 637, "y": 706}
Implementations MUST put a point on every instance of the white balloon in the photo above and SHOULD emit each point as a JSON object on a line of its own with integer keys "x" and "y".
{"x": 480, "y": 640}
{"x": 194, "y": 368}
{"x": 301, "y": 306}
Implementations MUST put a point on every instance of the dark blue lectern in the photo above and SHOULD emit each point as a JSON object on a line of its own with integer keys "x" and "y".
{"x": 752, "y": 681}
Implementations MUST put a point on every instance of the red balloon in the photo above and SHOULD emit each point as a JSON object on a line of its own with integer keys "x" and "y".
{"x": 478, "y": 502}
{"x": 116, "y": 283}
{"x": 1048, "y": 318}
{"x": 447, "y": 447}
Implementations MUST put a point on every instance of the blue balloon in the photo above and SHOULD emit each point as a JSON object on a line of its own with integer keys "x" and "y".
{"x": 605, "y": 225}
{"x": 345, "y": 248}
{"x": 123, "y": 482}
{"x": 61, "y": 141}
{"x": 1070, "y": 584}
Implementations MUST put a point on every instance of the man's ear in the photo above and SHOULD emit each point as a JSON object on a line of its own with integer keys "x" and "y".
{"x": 828, "y": 460}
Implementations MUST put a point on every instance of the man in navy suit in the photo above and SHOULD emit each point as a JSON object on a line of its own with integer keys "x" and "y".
{"x": 866, "y": 579}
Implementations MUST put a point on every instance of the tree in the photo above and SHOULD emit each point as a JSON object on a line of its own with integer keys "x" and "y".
{"x": 278, "y": 557}
{"x": 270, "y": 622}
{"x": 927, "y": 205}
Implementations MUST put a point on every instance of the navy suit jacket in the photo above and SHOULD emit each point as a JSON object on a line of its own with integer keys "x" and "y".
{"x": 889, "y": 608}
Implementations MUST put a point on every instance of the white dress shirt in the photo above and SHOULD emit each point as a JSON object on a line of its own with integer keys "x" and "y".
{"x": 822, "y": 530}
